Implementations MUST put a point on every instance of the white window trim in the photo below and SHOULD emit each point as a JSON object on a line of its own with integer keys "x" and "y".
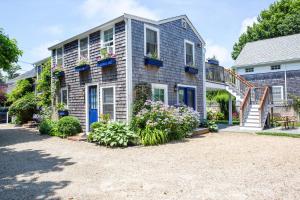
{"x": 146, "y": 26}
{"x": 62, "y": 56}
{"x": 281, "y": 88}
{"x": 193, "y": 44}
{"x": 88, "y": 47}
{"x": 188, "y": 86}
{"x": 61, "y": 99}
{"x": 87, "y": 104}
{"x": 101, "y": 99}
{"x": 249, "y": 68}
{"x": 102, "y": 37}
{"x": 161, "y": 86}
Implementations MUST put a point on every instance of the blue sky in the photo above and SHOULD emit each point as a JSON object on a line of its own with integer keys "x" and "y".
{"x": 38, "y": 24}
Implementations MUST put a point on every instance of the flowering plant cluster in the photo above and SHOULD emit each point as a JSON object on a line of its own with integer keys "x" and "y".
{"x": 176, "y": 122}
{"x": 104, "y": 54}
{"x": 83, "y": 61}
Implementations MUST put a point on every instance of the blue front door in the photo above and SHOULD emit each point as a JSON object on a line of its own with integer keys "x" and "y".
{"x": 93, "y": 104}
{"x": 187, "y": 96}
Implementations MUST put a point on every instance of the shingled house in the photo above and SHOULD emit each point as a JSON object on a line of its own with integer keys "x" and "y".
{"x": 100, "y": 68}
{"x": 274, "y": 62}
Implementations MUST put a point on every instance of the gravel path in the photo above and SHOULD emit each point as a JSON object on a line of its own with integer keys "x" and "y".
{"x": 214, "y": 166}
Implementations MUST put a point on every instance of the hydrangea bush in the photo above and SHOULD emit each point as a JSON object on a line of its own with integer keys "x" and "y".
{"x": 175, "y": 122}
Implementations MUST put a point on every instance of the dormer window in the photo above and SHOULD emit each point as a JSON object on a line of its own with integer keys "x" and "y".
{"x": 275, "y": 67}
{"x": 83, "y": 48}
{"x": 151, "y": 36}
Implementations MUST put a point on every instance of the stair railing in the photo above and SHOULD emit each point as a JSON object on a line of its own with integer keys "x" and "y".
{"x": 237, "y": 82}
{"x": 263, "y": 108}
{"x": 245, "y": 106}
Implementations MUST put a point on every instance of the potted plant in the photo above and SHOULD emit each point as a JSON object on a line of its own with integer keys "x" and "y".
{"x": 152, "y": 60}
{"x": 83, "y": 65}
{"x": 62, "y": 110}
{"x": 106, "y": 58}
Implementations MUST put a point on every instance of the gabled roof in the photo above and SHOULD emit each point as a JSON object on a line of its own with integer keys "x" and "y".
{"x": 128, "y": 16}
{"x": 275, "y": 50}
{"x": 29, "y": 74}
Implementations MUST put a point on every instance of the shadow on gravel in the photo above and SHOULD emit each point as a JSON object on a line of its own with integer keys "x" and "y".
{"x": 15, "y": 136}
{"x": 20, "y": 170}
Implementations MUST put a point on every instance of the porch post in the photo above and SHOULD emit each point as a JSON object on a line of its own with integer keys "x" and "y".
{"x": 230, "y": 110}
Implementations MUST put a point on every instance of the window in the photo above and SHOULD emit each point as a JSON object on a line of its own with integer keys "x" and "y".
{"x": 59, "y": 57}
{"x": 64, "y": 96}
{"x": 250, "y": 69}
{"x": 84, "y": 48}
{"x": 108, "y": 102}
{"x": 160, "y": 93}
{"x": 151, "y": 41}
{"x": 189, "y": 50}
{"x": 275, "y": 67}
{"x": 108, "y": 40}
{"x": 277, "y": 92}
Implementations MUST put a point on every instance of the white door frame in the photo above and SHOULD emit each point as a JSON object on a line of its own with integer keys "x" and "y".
{"x": 188, "y": 86}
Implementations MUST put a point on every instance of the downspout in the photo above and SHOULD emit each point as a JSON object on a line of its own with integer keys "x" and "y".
{"x": 285, "y": 84}
{"x": 204, "y": 84}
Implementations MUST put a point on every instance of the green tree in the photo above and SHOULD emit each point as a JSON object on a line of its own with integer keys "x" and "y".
{"x": 280, "y": 19}
{"x": 23, "y": 87}
{"x": 44, "y": 85}
{"x": 12, "y": 71}
{"x": 9, "y": 51}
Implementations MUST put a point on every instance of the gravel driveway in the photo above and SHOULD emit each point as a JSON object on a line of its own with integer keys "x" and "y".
{"x": 214, "y": 166}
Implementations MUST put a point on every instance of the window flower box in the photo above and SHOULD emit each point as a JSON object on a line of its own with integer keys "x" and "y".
{"x": 82, "y": 68}
{"x": 107, "y": 62}
{"x": 191, "y": 70}
{"x": 58, "y": 74}
{"x": 63, "y": 113}
{"x": 153, "y": 62}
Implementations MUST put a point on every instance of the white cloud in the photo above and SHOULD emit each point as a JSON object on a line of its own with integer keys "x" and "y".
{"x": 108, "y": 9}
{"x": 54, "y": 30}
{"x": 247, "y": 22}
{"x": 41, "y": 51}
{"x": 221, "y": 53}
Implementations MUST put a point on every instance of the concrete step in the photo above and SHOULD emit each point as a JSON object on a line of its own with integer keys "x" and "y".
{"x": 251, "y": 128}
{"x": 253, "y": 117}
{"x": 250, "y": 124}
{"x": 253, "y": 113}
{"x": 256, "y": 121}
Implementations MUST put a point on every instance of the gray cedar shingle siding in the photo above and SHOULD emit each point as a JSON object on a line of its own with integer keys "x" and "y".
{"x": 172, "y": 37}
{"x": 278, "y": 79}
{"x": 112, "y": 76}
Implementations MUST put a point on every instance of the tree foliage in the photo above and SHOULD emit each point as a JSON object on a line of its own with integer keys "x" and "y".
{"x": 280, "y": 19}
{"x": 44, "y": 85}
{"x": 9, "y": 51}
{"x": 23, "y": 87}
{"x": 12, "y": 71}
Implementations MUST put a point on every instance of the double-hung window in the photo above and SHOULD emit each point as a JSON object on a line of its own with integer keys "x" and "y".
{"x": 64, "y": 96}
{"x": 84, "y": 49}
{"x": 108, "y": 102}
{"x": 275, "y": 67}
{"x": 151, "y": 42}
{"x": 189, "y": 49}
{"x": 59, "y": 57}
{"x": 160, "y": 93}
{"x": 108, "y": 40}
{"x": 277, "y": 92}
{"x": 249, "y": 69}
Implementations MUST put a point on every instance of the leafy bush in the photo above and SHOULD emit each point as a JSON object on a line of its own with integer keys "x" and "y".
{"x": 153, "y": 136}
{"x": 23, "y": 87}
{"x": 43, "y": 86}
{"x": 68, "y": 126}
{"x": 176, "y": 123}
{"x": 24, "y": 108}
{"x": 142, "y": 93}
{"x": 114, "y": 134}
{"x": 210, "y": 124}
{"x": 48, "y": 127}
{"x": 215, "y": 115}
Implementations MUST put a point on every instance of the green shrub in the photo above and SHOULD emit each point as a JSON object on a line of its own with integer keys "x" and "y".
{"x": 24, "y": 108}
{"x": 151, "y": 136}
{"x": 68, "y": 126}
{"x": 49, "y": 127}
{"x": 211, "y": 125}
{"x": 97, "y": 125}
{"x": 142, "y": 92}
{"x": 22, "y": 88}
{"x": 114, "y": 134}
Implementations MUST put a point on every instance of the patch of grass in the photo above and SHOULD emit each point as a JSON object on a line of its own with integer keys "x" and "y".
{"x": 298, "y": 124}
{"x": 226, "y": 122}
{"x": 279, "y": 134}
